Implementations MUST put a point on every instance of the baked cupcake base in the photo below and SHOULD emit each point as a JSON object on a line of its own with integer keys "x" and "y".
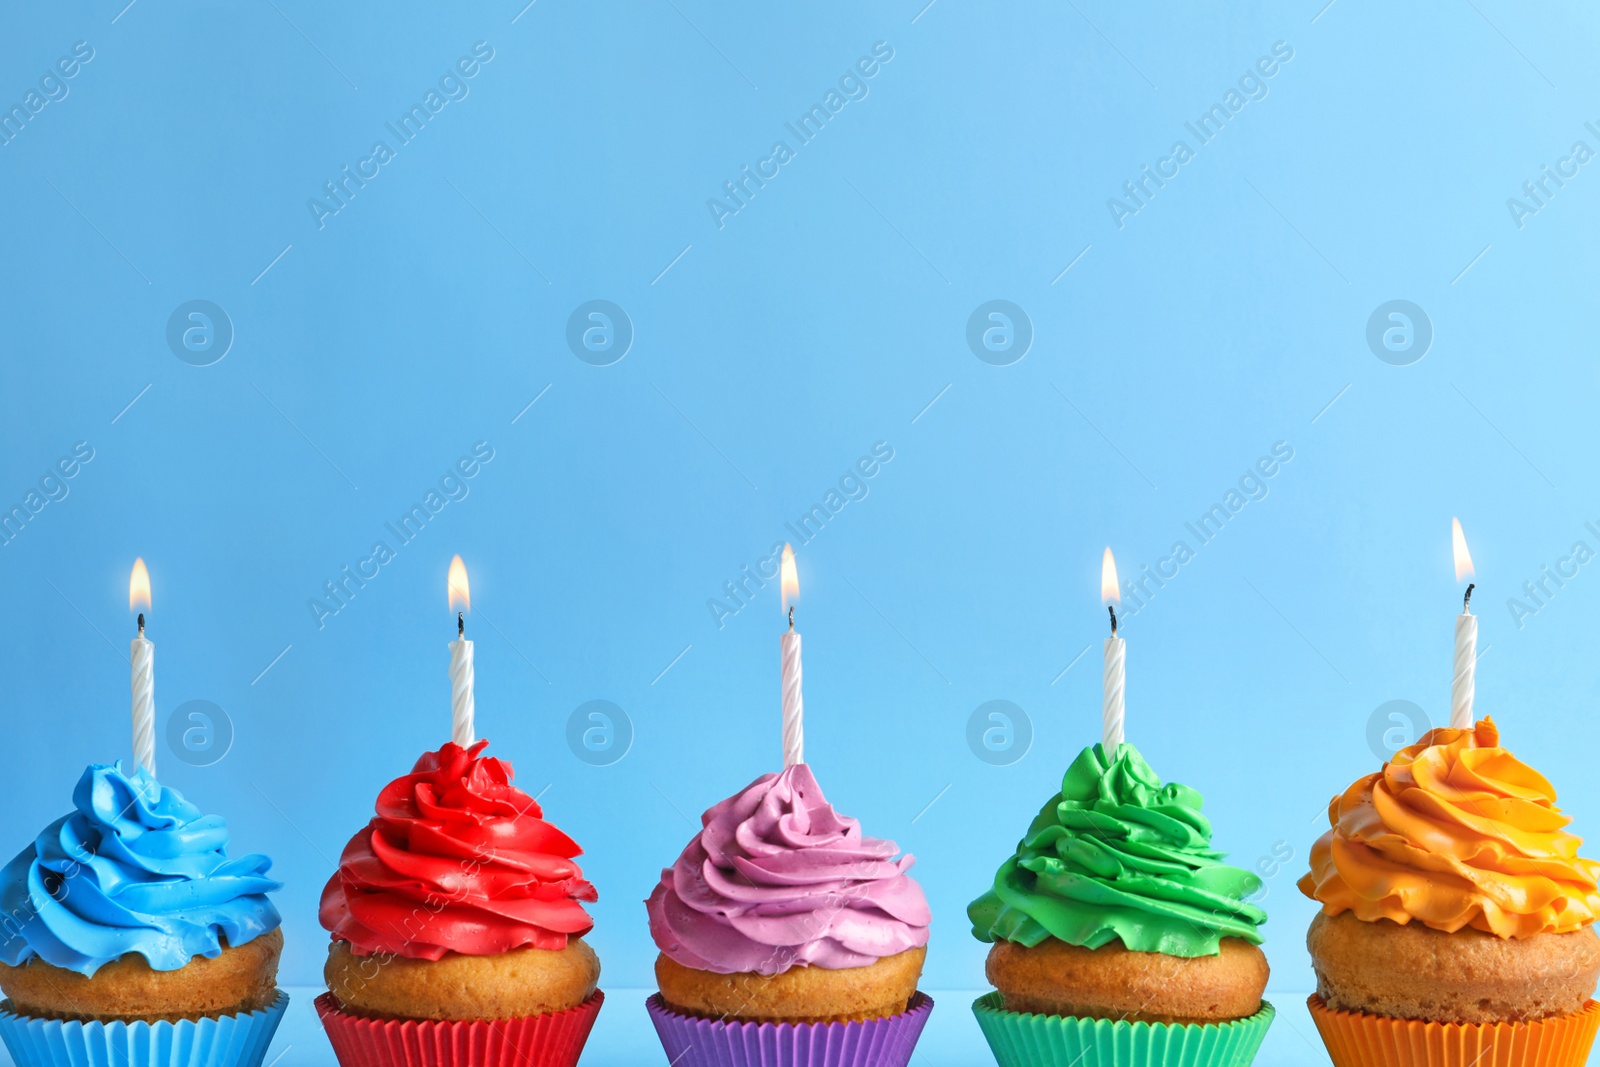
{"x": 798, "y": 995}
{"x": 1412, "y": 972}
{"x": 691, "y": 1041}
{"x": 239, "y": 981}
{"x": 1025, "y": 1039}
{"x": 1359, "y": 1039}
{"x": 238, "y": 1040}
{"x": 553, "y": 1039}
{"x": 517, "y": 984}
{"x": 1113, "y": 982}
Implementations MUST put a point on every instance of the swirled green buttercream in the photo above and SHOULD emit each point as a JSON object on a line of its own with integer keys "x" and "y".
{"x": 1116, "y": 855}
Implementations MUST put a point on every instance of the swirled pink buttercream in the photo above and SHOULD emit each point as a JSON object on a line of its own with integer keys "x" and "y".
{"x": 778, "y": 879}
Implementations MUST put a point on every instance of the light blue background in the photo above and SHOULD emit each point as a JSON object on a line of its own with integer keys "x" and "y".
{"x": 1225, "y": 316}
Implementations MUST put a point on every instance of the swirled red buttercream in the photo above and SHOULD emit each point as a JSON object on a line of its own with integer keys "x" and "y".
{"x": 457, "y": 860}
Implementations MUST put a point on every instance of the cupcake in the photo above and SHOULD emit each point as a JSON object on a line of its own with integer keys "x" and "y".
{"x": 1118, "y": 931}
{"x": 788, "y": 937}
{"x": 458, "y": 927}
{"x": 128, "y": 936}
{"x": 1457, "y": 916}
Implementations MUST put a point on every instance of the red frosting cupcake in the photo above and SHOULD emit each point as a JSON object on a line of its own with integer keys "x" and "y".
{"x": 457, "y": 926}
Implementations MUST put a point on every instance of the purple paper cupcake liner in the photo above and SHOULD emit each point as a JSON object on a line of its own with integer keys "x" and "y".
{"x": 216, "y": 1041}
{"x": 695, "y": 1042}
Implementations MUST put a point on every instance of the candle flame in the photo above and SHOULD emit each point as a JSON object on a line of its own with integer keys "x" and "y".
{"x": 1109, "y": 592}
{"x": 460, "y": 592}
{"x": 789, "y": 577}
{"x": 1458, "y": 545}
{"x": 139, "y": 586}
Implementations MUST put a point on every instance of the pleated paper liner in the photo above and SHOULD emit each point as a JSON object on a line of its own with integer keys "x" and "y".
{"x": 1022, "y": 1039}
{"x": 695, "y": 1042}
{"x": 555, "y": 1039}
{"x": 219, "y": 1041}
{"x": 1358, "y": 1039}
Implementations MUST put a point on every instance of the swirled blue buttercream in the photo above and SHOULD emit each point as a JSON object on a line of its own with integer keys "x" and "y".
{"x": 136, "y": 868}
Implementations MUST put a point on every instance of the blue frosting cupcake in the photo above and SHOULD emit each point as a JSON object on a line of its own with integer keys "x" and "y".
{"x": 128, "y": 935}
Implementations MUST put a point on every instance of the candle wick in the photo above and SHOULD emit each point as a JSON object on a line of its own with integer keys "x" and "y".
{"x": 791, "y": 618}
{"x": 461, "y": 626}
{"x": 141, "y": 624}
{"x": 1466, "y": 601}
{"x": 1113, "y": 609}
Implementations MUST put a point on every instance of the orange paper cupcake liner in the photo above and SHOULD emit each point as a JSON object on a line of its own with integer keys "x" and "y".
{"x": 1359, "y": 1039}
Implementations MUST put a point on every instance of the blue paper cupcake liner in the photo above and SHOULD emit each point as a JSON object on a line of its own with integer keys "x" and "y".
{"x": 219, "y": 1041}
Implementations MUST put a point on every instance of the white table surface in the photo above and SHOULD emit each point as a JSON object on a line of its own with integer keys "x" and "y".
{"x": 623, "y": 1036}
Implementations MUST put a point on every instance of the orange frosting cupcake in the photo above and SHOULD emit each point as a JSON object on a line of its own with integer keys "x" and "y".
{"x": 1455, "y": 832}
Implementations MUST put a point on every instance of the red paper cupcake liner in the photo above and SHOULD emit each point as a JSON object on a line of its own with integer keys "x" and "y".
{"x": 555, "y": 1039}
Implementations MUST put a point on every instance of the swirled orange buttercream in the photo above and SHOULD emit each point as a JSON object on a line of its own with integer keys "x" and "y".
{"x": 1455, "y": 831}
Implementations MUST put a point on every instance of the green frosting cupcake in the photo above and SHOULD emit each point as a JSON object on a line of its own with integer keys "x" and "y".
{"x": 1116, "y": 855}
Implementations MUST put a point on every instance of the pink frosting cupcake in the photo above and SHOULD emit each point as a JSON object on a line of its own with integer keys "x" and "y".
{"x": 788, "y": 936}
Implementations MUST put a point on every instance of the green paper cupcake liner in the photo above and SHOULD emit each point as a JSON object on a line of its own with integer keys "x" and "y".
{"x": 1020, "y": 1039}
